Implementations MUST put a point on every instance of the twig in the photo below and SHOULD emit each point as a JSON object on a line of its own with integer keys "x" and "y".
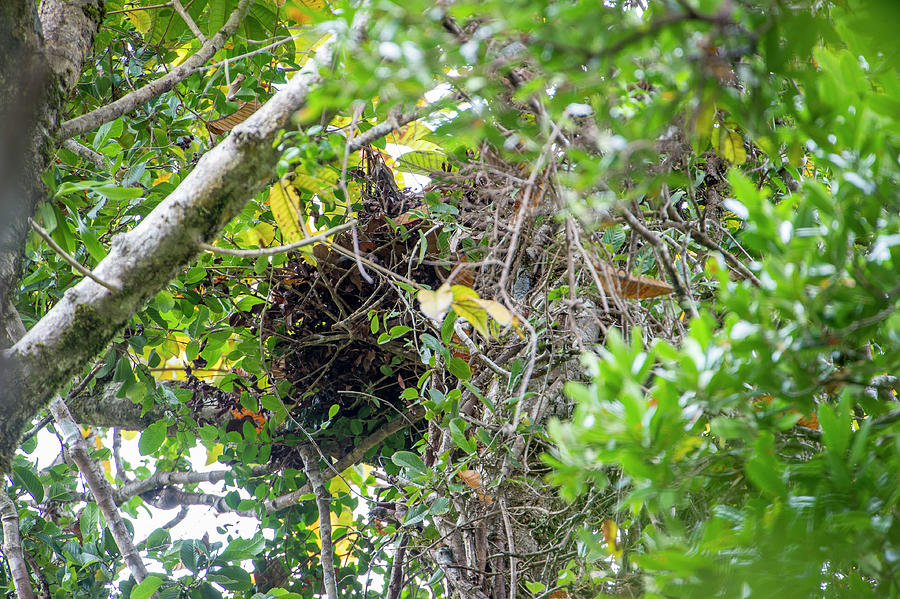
{"x": 470, "y": 345}
{"x": 43, "y": 234}
{"x": 386, "y": 272}
{"x": 12, "y": 547}
{"x": 117, "y": 455}
{"x": 189, "y": 21}
{"x": 137, "y": 8}
{"x": 349, "y": 459}
{"x": 357, "y": 110}
{"x": 272, "y": 251}
{"x": 323, "y": 500}
{"x": 685, "y": 300}
{"x": 513, "y": 582}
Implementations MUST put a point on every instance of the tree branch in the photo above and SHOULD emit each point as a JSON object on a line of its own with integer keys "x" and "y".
{"x": 100, "y": 488}
{"x": 85, "y": 153}
{"x": 189, "y": 21}
{"x": 349, "y": 459}
{"x": 12, "y": 547}
{"x": 127, "y": 103}
{"x": 323, "y": 500}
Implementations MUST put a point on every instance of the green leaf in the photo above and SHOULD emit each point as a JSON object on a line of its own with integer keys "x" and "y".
{"x": 120, "y": 193}
{"x": 152, "y": 437}
{"x": 28, "y": 479}
{"x": 407, "y": 459}
{"x": 188, "y": 553}
{"x": 459, "y": 368}
{"x": 233, "y": 578}
{"x": 146, "y": 588}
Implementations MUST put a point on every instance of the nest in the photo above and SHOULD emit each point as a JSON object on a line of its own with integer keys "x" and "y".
{"x": 323, "y": 317}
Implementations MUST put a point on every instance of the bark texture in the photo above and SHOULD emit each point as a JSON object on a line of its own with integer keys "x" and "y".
{"x": 34, "y": 83}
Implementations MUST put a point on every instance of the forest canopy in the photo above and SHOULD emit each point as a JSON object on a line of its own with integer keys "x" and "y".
{"x": 488, "y": 300}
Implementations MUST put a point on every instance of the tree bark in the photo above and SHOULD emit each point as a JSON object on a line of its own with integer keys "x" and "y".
{"x": 34, "y": 83}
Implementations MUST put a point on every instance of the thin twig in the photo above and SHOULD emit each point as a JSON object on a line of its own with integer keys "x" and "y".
{"x": 137, "y": 8}
{"x": 513, "y": 582}
{"x": 357, "y": 110}
{"x": 687, "y": 303}
{"x": 386, "y": 272}
{"x": 280, "y": 249}
{"x": 43, "y": 234}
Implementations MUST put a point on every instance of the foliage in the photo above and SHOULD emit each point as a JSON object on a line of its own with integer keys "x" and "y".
{"x": 698, "y": 198}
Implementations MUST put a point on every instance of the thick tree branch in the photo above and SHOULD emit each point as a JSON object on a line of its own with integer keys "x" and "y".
{"x": 35, "y": 80}
{"x": 125, "y": 104}
{"x": 12, "y": 547}
{"x": 143, "y": 260}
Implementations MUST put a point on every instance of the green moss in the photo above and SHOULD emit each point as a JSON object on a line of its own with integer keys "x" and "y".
{"x": 93, "y": 12}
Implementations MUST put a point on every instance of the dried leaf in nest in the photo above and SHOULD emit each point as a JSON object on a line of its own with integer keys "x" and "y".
{"x": 473, "y": 479}
{"x": 229, "y": 122}
{"x": 626, "y": 285}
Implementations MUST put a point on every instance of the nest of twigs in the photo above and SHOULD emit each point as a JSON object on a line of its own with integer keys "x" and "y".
{"x": 323, "y": 315}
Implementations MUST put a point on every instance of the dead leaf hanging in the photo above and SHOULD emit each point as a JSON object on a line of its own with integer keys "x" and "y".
{"x": 621, "y": 283}
{"x": 229, "y": 122}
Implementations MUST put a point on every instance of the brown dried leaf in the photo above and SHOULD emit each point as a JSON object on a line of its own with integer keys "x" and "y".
{"x": 624, "y": 284}
{"x": 229, "y": 122}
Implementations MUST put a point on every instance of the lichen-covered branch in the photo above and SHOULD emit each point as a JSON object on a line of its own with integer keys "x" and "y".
{"x": 142, "y": 261}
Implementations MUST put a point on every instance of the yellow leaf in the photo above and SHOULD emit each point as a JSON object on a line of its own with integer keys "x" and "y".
{"x": 465, "y": 304}
{"x": 141, "y": 19}
{"x": 610, "y": 535}
{"x": 129, "y": 435}
{"x": 434, "y": 304}
{"x": 731, "y": 146}
{"x": 497, "y": 311}
{"x": 213, "y": 453}
{"x": 259, "y": 235}
{"x": 703, "y": 121}
{"x": 285, "y": 204}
